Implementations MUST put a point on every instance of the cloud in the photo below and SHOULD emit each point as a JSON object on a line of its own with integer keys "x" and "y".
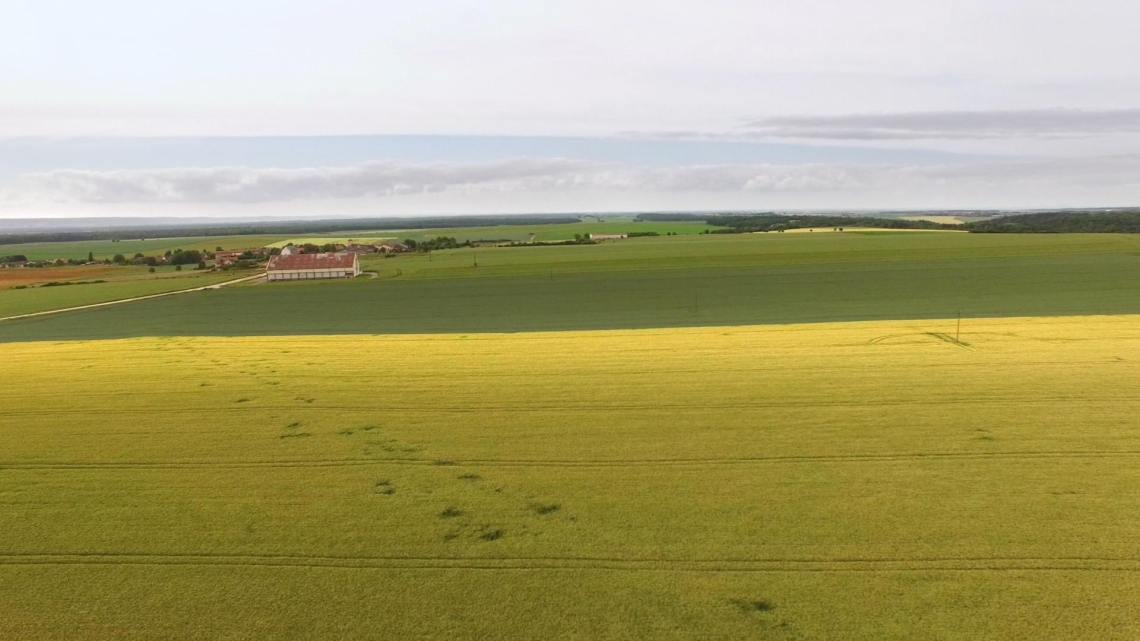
{"x": 512, "y": 180}
{"x": 387, "y": 179}
{"x": 949, "y": 125}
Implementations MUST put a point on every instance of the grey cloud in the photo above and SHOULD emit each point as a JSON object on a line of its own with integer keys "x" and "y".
{"x": 948, "y": 125}
{"x": 1121, "y": 174}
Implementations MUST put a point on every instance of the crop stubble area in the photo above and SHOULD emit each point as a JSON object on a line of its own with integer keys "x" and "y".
{"x": 844, "y": 480}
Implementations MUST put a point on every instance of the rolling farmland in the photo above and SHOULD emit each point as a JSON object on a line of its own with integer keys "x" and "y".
{"x": 678, "y": 281}
{"x": 846, "y": 480}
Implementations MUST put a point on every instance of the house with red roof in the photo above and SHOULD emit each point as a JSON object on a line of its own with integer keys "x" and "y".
{"x": 312, "y": 266}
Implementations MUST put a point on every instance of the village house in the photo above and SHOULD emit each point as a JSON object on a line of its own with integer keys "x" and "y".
{"x": 226, "y": 258}
{"x": 356, "y": 248}
{"x": 290, "y": 250}
{"x": 312, "y": 266}
{"x": 392, "y": 248}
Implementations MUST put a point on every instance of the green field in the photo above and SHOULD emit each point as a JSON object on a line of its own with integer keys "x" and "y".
{"x": 657, "y": 282}
{"x": 134, "y": 281}
{"x": 106, "y": 249}
{"x": 843, "y": 481}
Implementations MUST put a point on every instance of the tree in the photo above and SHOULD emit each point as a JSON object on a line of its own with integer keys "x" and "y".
{"x": 120, "y": 259}
{"x": 151, "y": 270}
{"x": 201, "y": 264}
{"x": 178, "y": 268}
{"x": 90, "y": 257}
{"x": 189, "y": 257}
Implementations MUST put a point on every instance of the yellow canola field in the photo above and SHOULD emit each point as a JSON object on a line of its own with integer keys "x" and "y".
{"x": 861, "y": 480}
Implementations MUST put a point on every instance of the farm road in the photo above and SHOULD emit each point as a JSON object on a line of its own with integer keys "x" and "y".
{"x": 128, "y": 300}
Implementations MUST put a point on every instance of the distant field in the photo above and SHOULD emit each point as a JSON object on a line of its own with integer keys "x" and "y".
{"x": 121, "y": 282}
{"x": 105, "y": 249}
{"x": 12, "y": 277}
{"x": 657, "y": 282}
{"x": 837, "y": 481}
{"x": 321, "y": 240}
{"x": 867, "y": 230}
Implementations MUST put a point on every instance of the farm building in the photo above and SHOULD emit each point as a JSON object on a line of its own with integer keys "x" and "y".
{"x": 357, "y": 248}
{"x": 312, "y": 266}
{"x": 226, "y": 257}
{"x": 608, "y": 236}
{"x": 290, "y": 250}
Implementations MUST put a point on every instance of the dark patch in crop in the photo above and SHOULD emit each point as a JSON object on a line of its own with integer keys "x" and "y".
{"x": 450, "y": 513}
{"x": 469, "y": 477}
{"x": 369, "y": 428}
{"x": 754, "y": 605}
{"x": 199, "y": 384}
{"x": 293, "y": 425}
{"x": 295, "y": 435}
{"x": 441, "y": 463}
{"x": 451, "y": 536}
{"x": 242, "y": 400}
{"x": 384, "y": 487}
{"x": 345, "y": 432}
{"x": 549, "y": 508}
{"x": 492, "y": 535}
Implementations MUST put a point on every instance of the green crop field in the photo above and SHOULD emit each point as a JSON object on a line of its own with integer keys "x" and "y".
{"x": 656, "y": 282}
{"x": 105, "y": 249}
{"x": 874, "y": 480}
{"x": 124, "y": 282}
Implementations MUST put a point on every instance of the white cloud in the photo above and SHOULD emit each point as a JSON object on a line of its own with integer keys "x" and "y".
{"x": 949, "y": 125}
{"x": 600, "y": 186}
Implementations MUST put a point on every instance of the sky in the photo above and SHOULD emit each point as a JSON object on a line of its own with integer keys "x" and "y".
{"x": 305, "y": 108}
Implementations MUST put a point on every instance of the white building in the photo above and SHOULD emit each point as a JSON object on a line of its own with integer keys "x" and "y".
{"x": 312, "y": 267}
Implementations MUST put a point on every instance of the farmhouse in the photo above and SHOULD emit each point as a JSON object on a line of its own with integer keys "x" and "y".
{"x": 357, "y": 248}
{"x": 312, "y": 266}
{"x": 226, "y": 257}
{"x": 608, "y": 236}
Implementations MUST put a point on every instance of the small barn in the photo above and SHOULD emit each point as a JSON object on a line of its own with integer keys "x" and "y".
{"x": 608, "y": 236}
{"x": 312, "y": 266}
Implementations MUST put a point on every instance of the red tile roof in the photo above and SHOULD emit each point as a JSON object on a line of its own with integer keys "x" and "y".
{"x": 312, "y": 261}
